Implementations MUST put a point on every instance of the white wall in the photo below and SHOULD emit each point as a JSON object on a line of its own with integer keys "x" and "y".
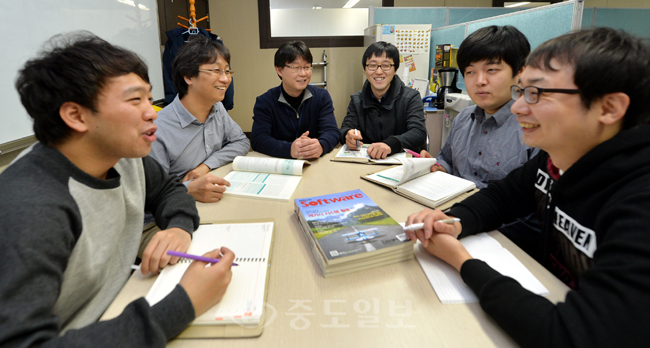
{"x": 28, "y": 24}
{"x": 323, "y": 22}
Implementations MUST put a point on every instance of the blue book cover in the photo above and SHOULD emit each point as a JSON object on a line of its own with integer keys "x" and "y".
{"x": 350, "y": 223}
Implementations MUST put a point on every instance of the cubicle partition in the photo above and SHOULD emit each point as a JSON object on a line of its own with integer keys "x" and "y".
{"x": 538, "y": 24}
{"x": 436, "y": 16}
{"x": 453, "y": 35}
{"x": 632, "y": 20}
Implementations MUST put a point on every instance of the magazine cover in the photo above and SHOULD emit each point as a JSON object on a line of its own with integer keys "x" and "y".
{"x": 349, "y": 223}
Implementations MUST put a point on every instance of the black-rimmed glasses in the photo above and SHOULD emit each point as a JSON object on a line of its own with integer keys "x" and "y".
{"x": 531, "y": 93}
{"x": 219, "y": 72}
{"x": 384, "y": 67}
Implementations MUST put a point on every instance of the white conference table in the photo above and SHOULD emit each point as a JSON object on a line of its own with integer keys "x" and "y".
{"x": 386, "y": 306}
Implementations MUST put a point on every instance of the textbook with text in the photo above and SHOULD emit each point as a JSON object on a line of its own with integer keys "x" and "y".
{"x": 260, "y": 177}
{"x": 414, "y": 180}
{"x": 361, "y": 156}
{"x": 348, "y": 232}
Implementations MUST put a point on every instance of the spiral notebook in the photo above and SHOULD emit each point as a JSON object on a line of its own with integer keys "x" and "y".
{"x": 240, "y": 313}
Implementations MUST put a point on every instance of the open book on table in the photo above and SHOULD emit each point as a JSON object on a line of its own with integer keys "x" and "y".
{"x": 240, "y": 313}
{"x": 361, "y": 156}
{"x": 414, "y": 180}
{"x": 260, "y": 177}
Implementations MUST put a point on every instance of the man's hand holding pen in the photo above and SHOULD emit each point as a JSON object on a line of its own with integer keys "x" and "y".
{"x": 353, "y": 139}
{"x": 439, "y": 236}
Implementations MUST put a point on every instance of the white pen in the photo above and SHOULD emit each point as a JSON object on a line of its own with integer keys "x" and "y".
{"x": 415, "y": 227}
{"x": 449, "y": 221}
{"x": 355, "y": 133}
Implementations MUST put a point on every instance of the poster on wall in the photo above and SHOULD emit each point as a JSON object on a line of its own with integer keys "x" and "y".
{"x": 412, "y": 41}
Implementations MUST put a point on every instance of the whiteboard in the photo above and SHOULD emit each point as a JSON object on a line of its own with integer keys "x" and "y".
{"x": 27, "y": 25}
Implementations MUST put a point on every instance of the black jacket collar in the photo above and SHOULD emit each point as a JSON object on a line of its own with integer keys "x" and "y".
{"x": 368, "y": 99}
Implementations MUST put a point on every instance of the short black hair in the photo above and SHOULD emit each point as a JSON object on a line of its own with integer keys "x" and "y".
{"x": 604, "y": 60}
{"x": 72, "y": 67}
{"x": 290, "y": 51}
{"x": 378, "y": 49}
{"x": 494, "y": 43}
{"x": 200, "y": 50}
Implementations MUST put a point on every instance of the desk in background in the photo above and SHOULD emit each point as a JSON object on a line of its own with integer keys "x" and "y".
{"x": 386, "y": 306}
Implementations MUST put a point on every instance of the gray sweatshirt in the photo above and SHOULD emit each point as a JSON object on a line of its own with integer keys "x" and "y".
{"x": 69, "y": 240}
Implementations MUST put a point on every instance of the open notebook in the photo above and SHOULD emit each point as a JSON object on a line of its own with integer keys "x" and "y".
{"x": 241, "y": 311}
{"x": 448, "y": 284}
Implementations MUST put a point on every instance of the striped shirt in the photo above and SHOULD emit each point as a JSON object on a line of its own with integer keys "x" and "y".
{"x": 184, "y": 142}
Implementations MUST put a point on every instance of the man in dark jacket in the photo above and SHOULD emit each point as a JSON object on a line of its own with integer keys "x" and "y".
{"x": 294, "y": 119}
{"x": 589, "y": 185}
{"x": 385, "y": 113}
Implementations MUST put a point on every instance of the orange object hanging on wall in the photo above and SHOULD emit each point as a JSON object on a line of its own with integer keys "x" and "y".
{"x": 192, "y": 20}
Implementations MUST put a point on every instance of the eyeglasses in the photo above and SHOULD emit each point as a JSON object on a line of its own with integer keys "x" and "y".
{"x": 384, "y": 67}
{"x": 219, "y": 72}
{"x": 531, "y": 93}
{"x": 297, "y": 69}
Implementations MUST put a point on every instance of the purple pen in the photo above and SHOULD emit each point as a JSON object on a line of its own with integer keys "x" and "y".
{"x": 195, "y": 257}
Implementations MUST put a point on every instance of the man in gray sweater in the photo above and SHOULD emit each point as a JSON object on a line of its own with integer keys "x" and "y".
{"x": 72, "y": 206}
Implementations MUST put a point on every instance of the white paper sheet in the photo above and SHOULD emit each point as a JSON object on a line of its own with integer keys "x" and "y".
{"x": 449, "y": 286}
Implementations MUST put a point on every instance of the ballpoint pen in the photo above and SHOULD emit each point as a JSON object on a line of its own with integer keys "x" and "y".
{"x": 195, "y": 257}
{"x": 415, "y": 227}
{"x": 413, "y": 153}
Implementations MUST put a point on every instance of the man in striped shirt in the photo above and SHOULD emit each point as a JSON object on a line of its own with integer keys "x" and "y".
{"x": 195, "y": 133}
